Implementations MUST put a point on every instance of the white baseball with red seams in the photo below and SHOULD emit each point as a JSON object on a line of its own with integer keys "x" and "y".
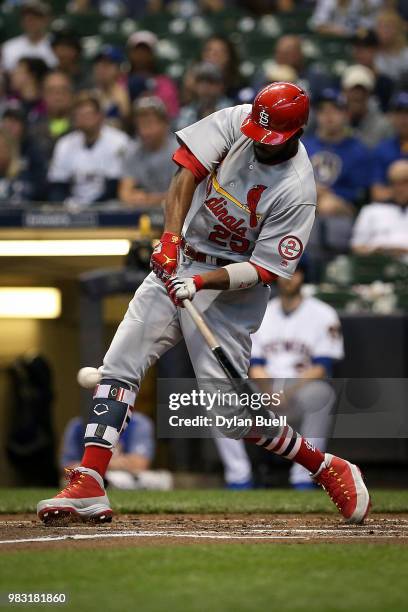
{"x": 88, "y": 377}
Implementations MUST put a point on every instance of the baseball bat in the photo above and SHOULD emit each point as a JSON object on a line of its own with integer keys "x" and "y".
{"x": 240, "y": 383}
{"x": 218, "y": 352}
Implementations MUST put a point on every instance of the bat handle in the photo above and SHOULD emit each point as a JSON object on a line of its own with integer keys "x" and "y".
{"x": 209, "y": 337}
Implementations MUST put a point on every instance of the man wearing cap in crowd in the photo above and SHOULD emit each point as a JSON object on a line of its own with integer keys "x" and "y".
{"x": 107, "y": 82}
{"x": 209, "y": 95}
{"x": 34, "y": 41}
{"x": 341, "y": 162}
{"x": 366, "y": 120}
{"x": 148, "y": 167}
{"x": 391, "y": 149}
{"x": 143, "y": 75}
{"x": 364, "y": 50}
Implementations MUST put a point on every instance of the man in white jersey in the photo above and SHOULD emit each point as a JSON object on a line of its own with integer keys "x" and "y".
{"x": 87, "y": 163}
{"x": 299, "y": 340}
{"x": 34, "y": 41}
{"x": 238, "y": 213}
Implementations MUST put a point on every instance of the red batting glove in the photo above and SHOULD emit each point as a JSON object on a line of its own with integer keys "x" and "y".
{"x": 166, "y": 255}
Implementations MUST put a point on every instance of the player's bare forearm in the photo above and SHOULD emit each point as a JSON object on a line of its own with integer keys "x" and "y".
{"x": 178, "y": 200}
{"x": 216, "y": 279}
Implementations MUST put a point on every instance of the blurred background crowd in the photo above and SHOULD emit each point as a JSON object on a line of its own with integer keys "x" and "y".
{"x": 90, "y": 97}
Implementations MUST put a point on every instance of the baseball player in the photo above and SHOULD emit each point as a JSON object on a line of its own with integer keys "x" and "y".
{"x": 295, "y": 348}
{"x": 238, "y": 214}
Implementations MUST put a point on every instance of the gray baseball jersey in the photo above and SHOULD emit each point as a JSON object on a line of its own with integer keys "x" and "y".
{"x": 247, "y": 210}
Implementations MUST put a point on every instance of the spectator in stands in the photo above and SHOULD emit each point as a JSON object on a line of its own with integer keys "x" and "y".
{"x": 222, "y": 53}
{"x": 87, "y": 163}
{"x": 368, "y": 123}
{"x": 15, "y": 184}
{"x": 67, "y": 48}
{"x": 26, "y": 82}
{"x": 266, "y": 7}
{"x": 392, "y": 149}
{"x": 34, "y": 42}
{"x": 344, "y": 17}
{"x": 148, "y": 167}
{"x": 342, "y": 164}
{"x": 112, "y": 90}
{"x": 209, "y": 95}
{"x": 383, "y": 227}
{"x": 313, "y": 78}
{"x": 31, "y": 162}
{"x": 364, "y": 48}
{"x": 143, "y": 77}
{"x": 56, "y": 120}
{"x": 115, "y": 9}
{"x": 392, "y": 53}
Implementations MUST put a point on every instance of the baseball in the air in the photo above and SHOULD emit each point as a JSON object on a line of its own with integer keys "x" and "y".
{"x": 88, "y": 377}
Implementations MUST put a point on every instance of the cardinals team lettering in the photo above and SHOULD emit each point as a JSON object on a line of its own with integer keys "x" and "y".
{"x": 219, "y": 210}
{"x": 232, "y": 232}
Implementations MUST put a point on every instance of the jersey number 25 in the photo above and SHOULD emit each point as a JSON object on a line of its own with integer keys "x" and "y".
{"x": 223, "y": 237}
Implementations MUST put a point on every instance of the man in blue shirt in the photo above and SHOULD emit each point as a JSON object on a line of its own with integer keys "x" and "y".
{"x": 388, "y": 151}
{"x": 341, "y": 162}
{"x": 134, "y": 454}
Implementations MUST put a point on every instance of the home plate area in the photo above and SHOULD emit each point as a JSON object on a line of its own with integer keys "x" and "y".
{"x": 19, "y": 531}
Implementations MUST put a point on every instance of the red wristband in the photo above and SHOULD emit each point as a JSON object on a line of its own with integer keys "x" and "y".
{"x": 198, "y": 281}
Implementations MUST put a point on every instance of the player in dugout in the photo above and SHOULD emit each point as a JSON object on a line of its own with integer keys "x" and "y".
{"x": 239, "y": 212}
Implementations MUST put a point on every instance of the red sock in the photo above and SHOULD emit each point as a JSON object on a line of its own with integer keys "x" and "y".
{"x": 291, "y": 445}
{"x": 96, "y": 458}
{"x": 309, "y": 456}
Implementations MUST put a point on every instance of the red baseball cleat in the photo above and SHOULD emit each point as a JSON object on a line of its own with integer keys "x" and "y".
{"x": 345, "y": 486}
{"x": 83, "y": 498}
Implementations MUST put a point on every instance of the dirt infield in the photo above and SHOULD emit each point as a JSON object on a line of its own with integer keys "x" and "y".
{"x": 25, "y": 531}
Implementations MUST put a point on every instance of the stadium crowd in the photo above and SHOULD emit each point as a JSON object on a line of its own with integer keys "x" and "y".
{"x": 82, "y": 131}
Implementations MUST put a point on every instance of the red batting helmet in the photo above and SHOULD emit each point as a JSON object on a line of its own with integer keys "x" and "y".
{"x": 279, "y": 111}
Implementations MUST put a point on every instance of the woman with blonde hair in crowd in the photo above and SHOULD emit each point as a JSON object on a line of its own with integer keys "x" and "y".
{"x": 392, "y": 55}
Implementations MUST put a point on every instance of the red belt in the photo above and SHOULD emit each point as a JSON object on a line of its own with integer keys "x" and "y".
{"x": 203, "y": 257}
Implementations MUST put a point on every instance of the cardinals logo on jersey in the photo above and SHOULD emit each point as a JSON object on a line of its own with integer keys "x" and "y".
{"x": 253, "y": 197}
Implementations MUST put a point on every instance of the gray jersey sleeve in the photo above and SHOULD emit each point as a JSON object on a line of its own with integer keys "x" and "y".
{"x": 283, "y": 238}
{"x": 211, "y": 138}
